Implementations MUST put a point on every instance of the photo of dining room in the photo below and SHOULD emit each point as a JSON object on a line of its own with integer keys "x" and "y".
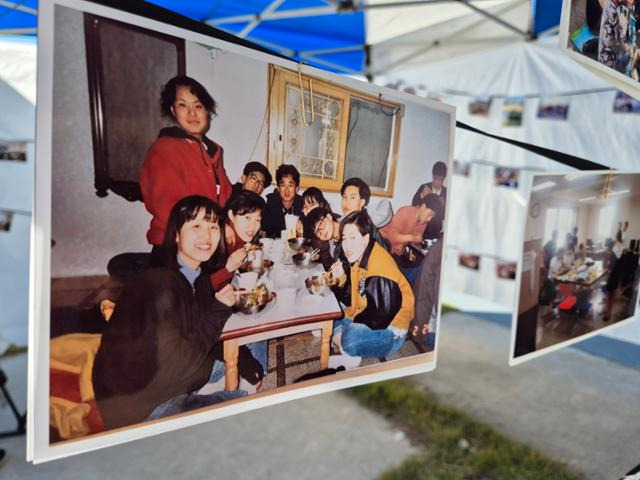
{"x": 226, "y": 228}
{"x": 579, "y": 270}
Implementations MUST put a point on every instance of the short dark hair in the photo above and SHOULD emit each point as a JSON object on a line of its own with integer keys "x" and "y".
{"x": 245, "y": 202}
{"x": 360, "y": 219}
{"x": 258, "y": 167}
{"x": 314, "y": 217}
{"x": 316, "y": 195}
{"x": 285, "y": 170}
{"x": 432, "y": 202}
{"x": 183, "y": 211}
{"x": 439, "y": 169}
{"x": 361, "y": 185}
{"x": 169, "y": 92}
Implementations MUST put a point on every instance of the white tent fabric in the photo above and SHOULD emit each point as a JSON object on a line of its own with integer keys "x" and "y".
{"x": 412, "y": 37}
{"x": 488, "y": 220}
{"x": 17, "y": 124}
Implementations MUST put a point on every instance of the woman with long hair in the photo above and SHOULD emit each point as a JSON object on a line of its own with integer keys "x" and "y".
{"x": 157, "y": 349}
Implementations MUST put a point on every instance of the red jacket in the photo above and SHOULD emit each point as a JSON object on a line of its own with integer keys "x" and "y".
{"x": 178, "y": 165}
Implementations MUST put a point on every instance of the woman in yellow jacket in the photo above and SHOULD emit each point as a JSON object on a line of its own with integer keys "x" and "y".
{"x": 378, "y": 298}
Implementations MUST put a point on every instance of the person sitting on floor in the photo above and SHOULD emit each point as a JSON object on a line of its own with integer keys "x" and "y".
{"x": 283, "y": 201}
{"x": 255, "y": 177}
{"x": 378, "y": 298}
{"x": 157, "y": 348}
{"x": 407, "y": 227}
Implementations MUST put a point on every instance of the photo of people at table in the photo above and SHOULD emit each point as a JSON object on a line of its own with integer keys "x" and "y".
{"x": 228, "y": 268}
{"x": 580, "y": 259}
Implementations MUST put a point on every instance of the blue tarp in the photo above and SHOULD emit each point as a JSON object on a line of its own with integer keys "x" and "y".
{"x": 302, "y": 38}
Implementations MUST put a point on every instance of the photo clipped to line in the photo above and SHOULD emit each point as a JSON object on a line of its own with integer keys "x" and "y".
{"x": 211, "y": 206}
{"x": 578, "y": 274}
{"x": 603, "y": 36}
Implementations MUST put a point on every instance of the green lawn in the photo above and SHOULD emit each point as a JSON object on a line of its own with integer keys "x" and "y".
{"x": 454, "y": 445}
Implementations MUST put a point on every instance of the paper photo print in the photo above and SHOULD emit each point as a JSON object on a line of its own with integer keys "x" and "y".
{"x": 553, "y": 108}
{"x": 13, "y": 151}
{"x": 231, "y": 229}
{"x": 579, "y": 268}
{"x": 623, "y": 103}
{"x": 603, "y": 35}
{"x": 512, "y": 111}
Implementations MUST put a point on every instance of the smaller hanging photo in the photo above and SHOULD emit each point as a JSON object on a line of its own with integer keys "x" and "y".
{"x": 480, "y": 106}
{"x": 623, "y": 103}
{"x": 6, "y": 217}
{"x": 506, "y": 269}
{"x": 469, "y": 260}
{"x": 553, "y": 108}
{"x": 512, "y": 111}
{"x": 13, "y": 151}
{"x": 506, "y": 177}
{"x": 461, "y": 168}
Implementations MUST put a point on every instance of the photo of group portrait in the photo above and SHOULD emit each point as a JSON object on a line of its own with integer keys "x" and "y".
{"x": 579, "y": 268}
{"x": 228, "y": 227}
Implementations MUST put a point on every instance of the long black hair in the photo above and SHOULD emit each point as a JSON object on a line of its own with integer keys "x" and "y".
{"x": 183, "y": 211}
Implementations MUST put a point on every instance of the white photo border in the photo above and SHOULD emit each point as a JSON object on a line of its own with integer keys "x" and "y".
{"x": 513, "y": 361}
{"x": 38, "y": 447}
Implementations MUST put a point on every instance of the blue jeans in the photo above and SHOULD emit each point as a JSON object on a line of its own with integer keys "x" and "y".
{"x": 358, "y": 340}
{"x": 259, "y": 350}
{"x": 191, "y": 401}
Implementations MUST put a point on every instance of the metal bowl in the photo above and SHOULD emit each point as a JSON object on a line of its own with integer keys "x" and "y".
{"x": 296, "y": 243}
{"x": 266, "y": 267}
{"x": 304, "y": 260}
{"x": 253, "y": 301}
{"x": 316, "y": 284}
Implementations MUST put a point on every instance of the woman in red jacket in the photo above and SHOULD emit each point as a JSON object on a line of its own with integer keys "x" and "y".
{"x": 182, "y": 161}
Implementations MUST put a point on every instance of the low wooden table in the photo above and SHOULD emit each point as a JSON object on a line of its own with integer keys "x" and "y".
{"x": 307, "y": 312}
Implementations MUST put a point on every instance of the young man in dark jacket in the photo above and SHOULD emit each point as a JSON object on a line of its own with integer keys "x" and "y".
{"x": 284, "y": 200}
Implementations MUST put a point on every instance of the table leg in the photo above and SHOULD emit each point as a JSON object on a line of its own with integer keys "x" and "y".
{"x": 325, "y": 346}
{"x": 230, "y": 348}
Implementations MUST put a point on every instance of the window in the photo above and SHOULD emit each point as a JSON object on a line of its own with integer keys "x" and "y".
{"x": 605, "y": 222}
{"x": 563, "y": 220}
{"x": 351, "y": 134}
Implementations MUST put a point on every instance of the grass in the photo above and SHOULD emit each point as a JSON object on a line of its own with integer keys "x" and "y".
{"x": 454, "y": 445}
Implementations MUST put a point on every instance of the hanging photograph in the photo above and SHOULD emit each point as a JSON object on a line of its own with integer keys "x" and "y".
{"x": 480, "y": 106}
{"x": 553, "y": 108}
{"x": 506, "y": 177}
{"x": 206, "y": 208}
{"x": 506, "y": 270}
{"x": 603, "y": 36}
{"x": 6, "y": 217}
{"x": 461, "y": 168}
{"x": 512, "y": 111}
{"x": 469, "y": 260}
{"x": 578, "y": 273}
{"x": 623, "y": 103}
{"x": 13, "y": 151}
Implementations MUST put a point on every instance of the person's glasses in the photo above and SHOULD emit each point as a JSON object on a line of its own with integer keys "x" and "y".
{"x": 255, "y": 180}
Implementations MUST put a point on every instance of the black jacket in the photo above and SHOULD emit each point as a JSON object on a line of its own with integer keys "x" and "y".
{"x": 273, "y": 220}
{"x": 157, "y": 345}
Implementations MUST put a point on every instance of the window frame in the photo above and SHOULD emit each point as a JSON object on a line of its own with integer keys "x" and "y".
{"x": 279, "y": 78}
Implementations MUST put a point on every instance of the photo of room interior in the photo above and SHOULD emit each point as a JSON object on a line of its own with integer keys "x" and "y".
{"x": 580, "y": 258}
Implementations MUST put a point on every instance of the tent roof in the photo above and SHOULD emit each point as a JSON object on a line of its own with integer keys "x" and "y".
{"x": 332, "y": 34}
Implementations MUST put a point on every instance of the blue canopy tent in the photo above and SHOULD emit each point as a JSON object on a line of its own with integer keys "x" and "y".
{"x": 337, "y": 35}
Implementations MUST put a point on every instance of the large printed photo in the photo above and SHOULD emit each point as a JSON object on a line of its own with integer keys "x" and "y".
{"x": 226, "y": 227}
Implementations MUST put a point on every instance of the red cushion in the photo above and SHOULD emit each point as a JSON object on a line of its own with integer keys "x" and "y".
{"x": 66, "y": 385}
{"x": 568, "y": 303}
